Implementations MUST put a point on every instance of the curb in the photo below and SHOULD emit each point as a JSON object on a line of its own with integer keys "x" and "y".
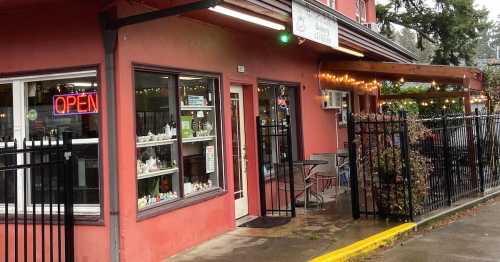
{"x": 457, "y": 208}
{"x": 366, "y": 245}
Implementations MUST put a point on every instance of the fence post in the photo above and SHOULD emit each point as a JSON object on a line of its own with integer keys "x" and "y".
{"x": 479, "y": 151}
{"x": 262, "y": 175}
{"x": 68, "y": 197}
{"x": 447, "y": 168}
{"x": 290, "y": 165}
{"x": 405, "y": 154}
{"x": 353, "y": 169}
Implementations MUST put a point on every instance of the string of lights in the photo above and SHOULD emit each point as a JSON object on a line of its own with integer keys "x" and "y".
{"x": 348, "y": 81}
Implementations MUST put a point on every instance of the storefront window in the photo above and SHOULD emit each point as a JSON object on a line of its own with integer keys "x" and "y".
{"x": 58, "y": 105}
{"x": 160, "y": 142}
{"x": 6, "y": 113}
{"x": 44, "y": 107}
{"x": 7, "y": 181}
{"x": 157, "y": 148}
{"x": 198, "y": 134}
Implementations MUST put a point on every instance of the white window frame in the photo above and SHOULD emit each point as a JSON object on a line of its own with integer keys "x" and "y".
{"x": 20, "y": 127}
{"x": 361, "y": 11}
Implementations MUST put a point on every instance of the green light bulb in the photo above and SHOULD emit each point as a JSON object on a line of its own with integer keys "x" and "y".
{"x": 284, "y": 37}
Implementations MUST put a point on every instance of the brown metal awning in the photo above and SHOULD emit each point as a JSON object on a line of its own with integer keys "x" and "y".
{"x": 471, "y": 78}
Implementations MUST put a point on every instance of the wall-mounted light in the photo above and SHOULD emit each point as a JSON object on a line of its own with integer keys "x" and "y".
{"x": 349, "y": 51}
{"x": 246, "y": 17}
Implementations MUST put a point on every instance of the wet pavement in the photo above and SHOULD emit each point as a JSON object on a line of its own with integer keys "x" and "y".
{"x": 310, "y": 234}
{"x": 473, "y": 238}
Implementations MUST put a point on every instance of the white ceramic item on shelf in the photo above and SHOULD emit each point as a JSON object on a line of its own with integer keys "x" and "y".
{"x": 168, "y": 131}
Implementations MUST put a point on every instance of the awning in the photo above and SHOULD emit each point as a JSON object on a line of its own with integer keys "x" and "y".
{"x": 351, "y": 33}
{"x": 471, "y": 78}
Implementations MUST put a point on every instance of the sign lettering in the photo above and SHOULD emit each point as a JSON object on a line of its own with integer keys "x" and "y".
{"x": 75, "y": 104}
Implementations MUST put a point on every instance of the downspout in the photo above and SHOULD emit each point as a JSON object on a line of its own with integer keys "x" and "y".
{"x": 109, "y": 38}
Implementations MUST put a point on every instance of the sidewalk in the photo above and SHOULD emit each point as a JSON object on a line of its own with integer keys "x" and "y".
{"x": 308, "y": 235}
{"x": 473, "y": 238}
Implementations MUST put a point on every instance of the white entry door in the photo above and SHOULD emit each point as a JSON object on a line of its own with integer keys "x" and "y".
{"x": 239, "y": 152}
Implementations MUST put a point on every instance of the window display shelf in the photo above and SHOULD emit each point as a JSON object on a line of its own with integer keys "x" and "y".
{"x": 158, "y": 173}
{"x": 197, "y": 139}
{"x": 194, "y": 108}
{"x": 156, "y": 143}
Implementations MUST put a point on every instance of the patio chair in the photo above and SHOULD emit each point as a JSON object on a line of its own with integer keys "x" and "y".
{"x": 326, "y": 176}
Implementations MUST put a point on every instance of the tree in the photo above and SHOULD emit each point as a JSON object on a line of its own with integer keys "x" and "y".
{"x": 488, "y": 42}
{"x": 408, "y": 39}
{"x": 453, "y": 26}
{"x": 492, "y": 86}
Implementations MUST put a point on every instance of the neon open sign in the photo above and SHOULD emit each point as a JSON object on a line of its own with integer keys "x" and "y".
{"x": 75, "y": 104}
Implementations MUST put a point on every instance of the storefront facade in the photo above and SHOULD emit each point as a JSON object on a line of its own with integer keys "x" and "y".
{"x": 188, "y": 91}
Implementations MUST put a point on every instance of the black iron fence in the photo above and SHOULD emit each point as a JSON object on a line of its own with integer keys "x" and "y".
{"x": 405, "y": 167}
{"x": 37, "y": 200}
{"x": 277, "y": 195}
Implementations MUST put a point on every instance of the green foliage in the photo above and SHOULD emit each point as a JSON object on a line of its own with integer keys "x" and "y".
{"x": 388, "y": 186}
{"x": 453, "y": 26}
{"x": 492, "y": 84}
{"x": 488, "y": 42}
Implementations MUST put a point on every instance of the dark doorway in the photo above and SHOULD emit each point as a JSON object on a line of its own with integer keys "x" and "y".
{"x": 276, "y": 102}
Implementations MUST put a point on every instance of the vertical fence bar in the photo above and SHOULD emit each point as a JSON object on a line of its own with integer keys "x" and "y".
{"x": 290, "y": 167}
{"x": 43, "y": 151}
{"x": 262, "y": 175}
{"x": 446, "y": 159}
{"x": 353, "y": 166}
{"x": 25, "y": 201}
{"x": 405, "y": 153}
{"x": 479, "y": 151}
{"x": 6, "y": 206}
{"x": 68, "y": 201}
{"x": 33, "y": 213}
{"x": 16, "y": 216}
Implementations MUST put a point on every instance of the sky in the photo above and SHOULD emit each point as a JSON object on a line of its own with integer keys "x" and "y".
{"x": 492, "y": 5}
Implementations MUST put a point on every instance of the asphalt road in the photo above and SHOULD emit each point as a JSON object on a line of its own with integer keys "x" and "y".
{"x": 472, "y": 238}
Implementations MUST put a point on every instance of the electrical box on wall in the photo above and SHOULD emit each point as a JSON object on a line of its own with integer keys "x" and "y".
{"x": 331, "y": 99}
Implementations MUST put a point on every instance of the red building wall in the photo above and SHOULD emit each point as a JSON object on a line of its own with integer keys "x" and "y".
{"x": 68, "y": 35}
{"x": 51, "y": 37}
{"x": 189, "y": 44}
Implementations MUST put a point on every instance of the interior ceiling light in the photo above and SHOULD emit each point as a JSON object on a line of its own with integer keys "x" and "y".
{"x": 349, "y": 51}
{"x": 247, "y": 17}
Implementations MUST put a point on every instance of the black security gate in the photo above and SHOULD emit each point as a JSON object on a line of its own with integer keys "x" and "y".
{"x": 409, "y": 167}
{"x": 37, "y": 183}
{"x": 277, "y": 195}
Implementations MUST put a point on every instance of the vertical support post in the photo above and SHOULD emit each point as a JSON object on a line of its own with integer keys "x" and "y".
{"x": 479, "y": 150}
{"x": 290, "y": 165}
{"x": 405, "y": 154}
{"x": 353, "y": 169}
{"x": 262, "y": 175}
{"x": 68, "y": 197}
{"x": 447, "y": 167}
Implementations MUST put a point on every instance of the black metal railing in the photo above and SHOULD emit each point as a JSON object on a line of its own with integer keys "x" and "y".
{"x": 276, "y": 168}
{"x": 405, "y": 167}
{"x": 37, "y": 200}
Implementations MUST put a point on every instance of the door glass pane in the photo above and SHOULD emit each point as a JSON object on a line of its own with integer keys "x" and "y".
{"x": 237, "y": 157}
{"x": 276, "y": 102}
{"x": 7, "y": 178}
{"x": 55, "y": 106}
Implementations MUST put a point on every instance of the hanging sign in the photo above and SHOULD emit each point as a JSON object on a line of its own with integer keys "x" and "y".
{"x": 315, "y": 26}
{"x": 75, "y": 104}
